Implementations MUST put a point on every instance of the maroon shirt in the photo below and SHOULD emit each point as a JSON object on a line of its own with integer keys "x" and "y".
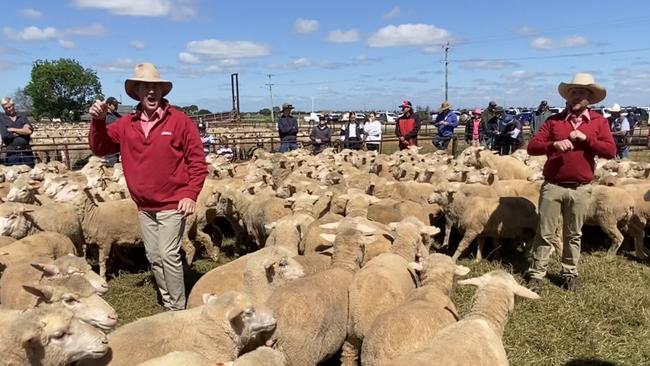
{"x": 577, "y": 165}
{"x": 161, "y": 168}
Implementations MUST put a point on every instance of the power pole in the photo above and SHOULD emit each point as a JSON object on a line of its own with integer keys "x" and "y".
{"x": 446, "y": 48}
{"x": 270, "y": 85}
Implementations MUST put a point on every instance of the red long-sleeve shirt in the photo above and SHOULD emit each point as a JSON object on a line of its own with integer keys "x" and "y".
{"x": 576, "y": 165}
{"x": 160, "y": 169}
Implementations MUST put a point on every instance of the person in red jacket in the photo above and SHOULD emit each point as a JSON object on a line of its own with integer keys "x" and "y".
{"x": 407, "y": 126}
{"x": 571, "y": 140}
{"x": 164, "y": 166}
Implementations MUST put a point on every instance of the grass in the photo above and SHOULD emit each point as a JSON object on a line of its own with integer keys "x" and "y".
{"x": 606, "y": 323}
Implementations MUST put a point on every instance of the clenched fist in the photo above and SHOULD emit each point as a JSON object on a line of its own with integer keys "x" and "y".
{"x": 563, "y": 145}
{"x": 576, "y": 135}
{"x": 98, "y": 110}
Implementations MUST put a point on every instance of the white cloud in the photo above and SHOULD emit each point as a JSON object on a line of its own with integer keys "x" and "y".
{"x": 487, "y": 64}
{"x": 340, "y": 36}
{"x": 32, "y": 33}
{"x": 32, "y": 13}
{"x": 122, "y": 65}
{"x": 408, "y": 35}
{"x": 188, "y": 58}
{"x": 546, "y": 43}
{"x": 393, "y": 13}
{"x": 228, "y": 49}
{"x": 300, "y": 63}
{"x": 137, "y": 44}
{"x": 306, "y": 26}
{"x": 66, "y": 44}
{"x": 526, "y": 31}
{"x": 93, "y": 30}
{"x": 176, "y": 9}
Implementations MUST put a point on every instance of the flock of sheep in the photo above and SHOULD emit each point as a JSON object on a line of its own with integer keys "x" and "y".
{"x": 336, "y": 259}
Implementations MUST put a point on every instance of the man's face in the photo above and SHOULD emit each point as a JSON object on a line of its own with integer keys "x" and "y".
{"x": 578, "y": 99}
{"x": 9, "y": 108}
{"x": 406, "y": 109}
{"x": 112, "y": 107}
{"x": 150, "y": 95}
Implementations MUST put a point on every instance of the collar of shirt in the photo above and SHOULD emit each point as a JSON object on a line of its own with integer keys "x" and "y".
{"x": 584, "y": 116}
{"x": 156, "y": 116}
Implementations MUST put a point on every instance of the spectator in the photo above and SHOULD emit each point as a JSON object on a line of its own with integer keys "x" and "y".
{"x": 445, "y": 123}
{"x": 372, "y": 132}
{"x": 226, "y": 151}
{"x": 164, "y": 167}
{"x": 111, "y": 116}
{"x": 492, "y": 127}
{"x": 570, "y": 140}
{"x": 540, "y": 116}
{"x": 489, "y": 113}
{"x": 288, "y": 129}
{"x": 511, "y": 134}
{"x": 407, "y": 126}
{"x": 16, "y": 132}
{"x": 320, "y": 136}
{"x": 474, "y": 129}
{"x": 352, "y": 133}
{"x": 620, "y": 127}
{"x": 207, "y": 140}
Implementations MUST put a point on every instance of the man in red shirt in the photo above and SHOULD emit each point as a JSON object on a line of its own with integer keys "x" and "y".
{"x": 571, "y": 140}
{"x": 407, "y": 126}
{"x": 164, "y": 166}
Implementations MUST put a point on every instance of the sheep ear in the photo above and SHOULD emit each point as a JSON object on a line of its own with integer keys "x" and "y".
{"x": 365, "y": 229}
{"x": 208, "y": 298}
{"x": 328, "y": 237}
{"x": 270, "y": 226}
{"x": 268, "y": 264}
{"x": 330, "y": 226}
{"x": 476, "y": 281}
{"x": 48, "y": 270}
{"x": 365, "y": 240}
{"x": 429, "y": 230}
{"x": 290, "y": 199}
{"x": 417, "y": 266}
{"x": 461, "y": 270}
{"x": 328, "y": 251}
{"x": 521, "y": 291}
{"x": 392, "y": 225}
{"x": 42, "y": 291}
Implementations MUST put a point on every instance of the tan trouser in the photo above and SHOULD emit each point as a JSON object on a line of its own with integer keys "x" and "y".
{"x": 162, "y": 232}
{"x": 572, "y": 204}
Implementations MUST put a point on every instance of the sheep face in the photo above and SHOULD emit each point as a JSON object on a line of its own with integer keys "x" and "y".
{"x": 52, "y": 187}
{"x": 285, "y": 268}
{"x": 23, "y": 194}
{"x": 38, "y": 173}
{"x": 71, "y": 265}
{"x": 67, "y": 193}
{"x": 61, "y": 334}
{"x": 14, "y": 225}
{"x": 238, "y": 310}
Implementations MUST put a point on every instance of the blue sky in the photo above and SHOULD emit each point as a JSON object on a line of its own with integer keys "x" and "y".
{"x": 344, "y": 54}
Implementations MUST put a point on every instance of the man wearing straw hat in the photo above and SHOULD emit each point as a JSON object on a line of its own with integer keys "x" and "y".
{"x": 571, "y": 140}
{"x": 445, "y": 122}
{"x": 620, "y": 130}
{"x": 164, "y": 167}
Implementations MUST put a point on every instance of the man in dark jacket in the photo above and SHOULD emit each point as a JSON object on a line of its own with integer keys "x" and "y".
{"x": 352, "y": 133}
{"x": 112, "y": 116}
{"x": 16, "y": 132}
{"x": 288, "y": 129}
{"x": 489, "y": 113}
{"x": 407, "y": 126}
{"x": 320, "y": 136}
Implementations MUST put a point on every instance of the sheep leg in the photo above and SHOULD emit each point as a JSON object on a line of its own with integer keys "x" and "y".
{"x": 210, "y": 248}
{"x": 479, "y": 249}
{"x": 464, "y": 243}
{"x": 349, "y": 354}
{"x": 636, "y": 230}
{"x": 615, "y": 236}
{"x": 445, "y": 241}
{"x": 103, "y": 254}
{"x": 189, "y": 249}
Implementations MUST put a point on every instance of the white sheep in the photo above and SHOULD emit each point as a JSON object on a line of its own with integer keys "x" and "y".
{"x": 48, "y": 336}
{"x": 412, "y": 323}
{"x": 218, "y": 331}
{"x": 40, "y": 245}
{"x": 475, "y": 339}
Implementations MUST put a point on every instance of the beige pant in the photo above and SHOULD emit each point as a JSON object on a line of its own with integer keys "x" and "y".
{"x": 162, "y": 232}
{"x": 572, "y": 205}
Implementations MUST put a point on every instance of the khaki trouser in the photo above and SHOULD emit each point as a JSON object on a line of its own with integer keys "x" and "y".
{"x": 162, "y": 232}
{"x": 572, "y": 205}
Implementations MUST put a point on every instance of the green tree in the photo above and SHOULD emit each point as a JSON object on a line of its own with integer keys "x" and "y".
{"x": 191, "y": 109}
{"x": 265, "y": 112}
{"x": 203, "y": 111}
{"x": 23, "y": 101}
{"x": 62, "y": 89}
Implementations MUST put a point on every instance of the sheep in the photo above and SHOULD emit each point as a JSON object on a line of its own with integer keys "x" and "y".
{"x": 475, "y": 339}
{"x": 256, "y": 274}
{"x": 218, "y": 331}
{"x": 382, "y": 283}
{"x": 507, "y": 167}
{"x": 6, "y": 240}
{"x": 312, "y": 311}
{"x": 24, "y": 286}
{"x": 262, "y": 356}
{"x": 610, "y": 208}
{"x": 641, "y": 215}
{"x": 496, "y": 217}
{"x": 425, "y": 311}
{"x": 72, "y": 265}
{"x": 44, "y": 244}
{"x": 313, "y": 262}
{"x": 48, "y": 336}
{"x": 179, "y": 358}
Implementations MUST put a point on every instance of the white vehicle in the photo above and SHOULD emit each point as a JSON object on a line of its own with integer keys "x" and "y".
{"x": 387, "y": 117}
{"x": 313, "y": 117}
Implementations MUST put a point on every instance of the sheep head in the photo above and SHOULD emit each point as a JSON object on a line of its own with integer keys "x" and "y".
{"x": 504, "y": 280}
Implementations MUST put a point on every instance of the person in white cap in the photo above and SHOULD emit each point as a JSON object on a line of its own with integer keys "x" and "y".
{"x": 571, "y": 140}
{"x": 164, "y": 166}
{"x": 620, "y": 127}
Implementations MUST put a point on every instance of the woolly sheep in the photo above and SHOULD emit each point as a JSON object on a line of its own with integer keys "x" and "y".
{"x": 218, "y": 331}
{"x": 312, "y": 311}
{"x": 411, "y": 324}
{"x": 40, "y": 245}
{"x": 507, "y": 167}
{"x": 262, "y": 356}
{"x": 179, "y": 358}
{"x": 475, "y": 339}
{"x": 48, "y": 336}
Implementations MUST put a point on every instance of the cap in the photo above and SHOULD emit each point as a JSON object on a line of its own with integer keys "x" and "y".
{"x": 112, "y": 100}
{"x": 543, "y": 102}
{"x": 405, "y": 104}
{"x": 477, "y": 111}
{"x": 286, "y": 106}
{"x": 493, "y": 103}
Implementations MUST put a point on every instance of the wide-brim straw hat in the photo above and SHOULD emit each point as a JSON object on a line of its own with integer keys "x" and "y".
{"x": 615, "y": 108}
{"x": 147, "y": 73}
{"x": 585, "y": 81}
{"x": 444, "y": 106}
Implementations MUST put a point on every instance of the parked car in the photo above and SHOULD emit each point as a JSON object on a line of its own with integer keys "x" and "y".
{"x": 313, "y": 117}
{"x": 333, "y": 117}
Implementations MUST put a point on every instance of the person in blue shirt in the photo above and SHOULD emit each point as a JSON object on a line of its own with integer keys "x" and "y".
{"x": 445, "y": 123}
